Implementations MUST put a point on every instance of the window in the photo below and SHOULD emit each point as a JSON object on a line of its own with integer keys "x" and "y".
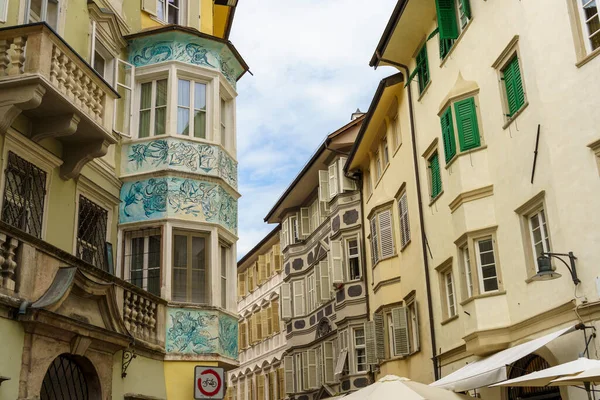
{"x": 466, "y": 257}
{"x": 486, "y": 264}
{"x": 312, "y": 294}
{"x": 190, "y": 273}
{"x": 3, "y": 10}
{"x": 513, "y": 86}
{"x": 224, "y": 262}
{"x": 143, "y": 259}
{"x": 396, "y": 131}
{"x": 298, "y": 369}
{"x": 435, "y": 177}
{"x": 377, "y": 166}
{"x": 466, "y": 124}
{"x": 191, "y": 98}
{"x": 169, "y": 11}
{"x": 422, "y": 69}
{"x": 124, "y": 85}
{"x": 460, "y": 12}
{"x": 299, "y": 297}
{"x": 386, "y": 153}
{"x": 353, "y": 257}
{"x": 591, "y": 23}
{"x": 294, "y": 229}
{"x": 91, "y": 233}
{"x": 450, "y": 300}
{"x": 329, "y": 362}
{"x": 539, "y": 233}
{"x": 101, "y": 59}
{"x": 153, "y": 108}
{"x": 223, "y": 123}
{"x": 281, "y": 383}
{"x": 360, "y": 351}
{"x": 404, "y": 222}
{"x": 24, "y": 195}
{"x": 382, "y": 236}
{"x": 43, "y": 10}
{"x": 368, "y": 184}
{"x": 390, "y": 335}
{"x": 413, "y": 325}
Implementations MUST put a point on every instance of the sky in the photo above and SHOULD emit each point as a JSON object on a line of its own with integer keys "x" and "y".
{"x": 310, "y": 60}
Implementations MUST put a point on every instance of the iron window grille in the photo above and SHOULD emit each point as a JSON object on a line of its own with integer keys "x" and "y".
{"x": 91, "y": 233}
{"x": 64, "y": 380}
{"x": 24, "y": 194}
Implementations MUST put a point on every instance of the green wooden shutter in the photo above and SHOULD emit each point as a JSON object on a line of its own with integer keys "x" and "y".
{"x": 515, "y": 95}
{"x": 466, "y": 121}
{"x": 423, "y": 68}
{"x": 448, "y": 134}
{"x": 446, "y": 16}
{"x": 436, "y": 179}
{"x": 466, "y": 8}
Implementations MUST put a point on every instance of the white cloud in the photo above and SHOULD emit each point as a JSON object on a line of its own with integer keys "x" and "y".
{"x": 310, "y": 64}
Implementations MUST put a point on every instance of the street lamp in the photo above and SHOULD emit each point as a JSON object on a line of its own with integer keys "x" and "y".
{"x": 547, "y": 272}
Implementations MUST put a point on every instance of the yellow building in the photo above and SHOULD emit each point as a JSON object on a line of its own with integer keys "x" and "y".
{"x": 118, "y": 222}
{"x": 496, "y": 101}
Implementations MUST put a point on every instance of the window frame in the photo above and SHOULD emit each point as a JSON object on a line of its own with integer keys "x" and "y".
{"x": 44, "y": 13}
{"x": 450, "y": 293}
{"x": 152, "y": 124}
{"x": 584, "y": 25}
{"x": 446, "y": 45}
{"x": 189, "y": 263}
{"x": 511, "y": 51}
{"x": 77, "y": 243}
{"x": 480, "y": 266}
{"x": 4, "y": 11}
{"x": 525, "y": 211}
{"x": 226, "y": 250}
{"x": 356, "y": 348}
{"x": 181, "y": 12}
{"x": 422, "y": 68}
{"x": 146, "y": 234}
{"x": 191, "y": 107}
{"x": 375, "y": 237}
{"x": 347, "y": 248}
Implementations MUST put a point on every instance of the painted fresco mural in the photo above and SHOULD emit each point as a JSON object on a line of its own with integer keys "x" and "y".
{"x": 192, "y": 331}
{"x": 180, "y": 155}
{"x": 175, "y": 197}
{"x": 187, "y": 48}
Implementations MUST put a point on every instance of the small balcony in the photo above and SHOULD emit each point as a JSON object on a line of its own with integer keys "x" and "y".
{"x": 51, "y": 290}
{"x": 42, "y": 78}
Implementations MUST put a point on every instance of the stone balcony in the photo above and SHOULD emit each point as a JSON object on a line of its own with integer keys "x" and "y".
{"x": 44, "y": 79}
{"x": 54, "y": 292}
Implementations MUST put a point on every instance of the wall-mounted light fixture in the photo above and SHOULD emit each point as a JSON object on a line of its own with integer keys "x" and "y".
{"x": 546, "y": 270}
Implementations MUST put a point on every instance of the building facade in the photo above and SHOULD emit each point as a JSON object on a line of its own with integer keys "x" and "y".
{"x": 499, "y": 185}
{"x": 262, "y": 340}
{"x": 323, "y": 294}
{"x": 119, "y": 196}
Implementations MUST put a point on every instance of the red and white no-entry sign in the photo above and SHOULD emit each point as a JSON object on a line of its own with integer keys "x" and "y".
{"x": 209, "y": 383}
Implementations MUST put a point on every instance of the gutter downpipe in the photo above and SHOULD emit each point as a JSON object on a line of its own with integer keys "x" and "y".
{"x": 434, "y": 357}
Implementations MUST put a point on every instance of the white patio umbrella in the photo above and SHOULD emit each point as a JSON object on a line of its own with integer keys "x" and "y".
{"x": 547, "y": 376}
{"x": 589, "y": 376}
{"x": 394, "y": 387}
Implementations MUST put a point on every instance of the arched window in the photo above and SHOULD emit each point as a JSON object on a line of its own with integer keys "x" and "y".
{"x": 70, "y": 378}
{"x": 527, "y": 365}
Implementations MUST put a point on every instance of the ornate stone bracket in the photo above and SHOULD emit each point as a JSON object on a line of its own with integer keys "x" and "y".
{"x": 76, "y": 155}
{"x": 15, "y": 100}
{"x": 59, "y": 126}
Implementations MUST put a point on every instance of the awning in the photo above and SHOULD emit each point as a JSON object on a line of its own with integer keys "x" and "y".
{"x": 493, "y": 369}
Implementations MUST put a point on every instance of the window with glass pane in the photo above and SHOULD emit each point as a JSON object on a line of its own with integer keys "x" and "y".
{"x": 591, "y": 22}
{"x": 467, "y": 266}
{"x": 450, "y": 300}
{"x": 353, "y": 258}
{"x": 143, "y": 258}
{"x": 153, "y": 108}
{"x": 224, "y": 251}
{"x": 191, "y": 97}
{"x": 413, "y": 325}
{"x": 190, "y": 275}
{"x": 124, "y": 81}
{"x": 223, "y": 123}
{"x": 43, "y": 10}
{"x": 3, "y": 10}
{"x": 99, "y": 64}
{"x": 91, "y": 233}
{"x": 390, "y": 334}
{"x": 378, "y": 165}
{"x": 173, "y": 11}
{"x": 360, "y": 350}
{"x": 183, "y": 106}
{"x": 294, "y": 228}
{"x": 539, "y": 233}
{"x": 486, "y": 262}
{"x": 386, "y": 155}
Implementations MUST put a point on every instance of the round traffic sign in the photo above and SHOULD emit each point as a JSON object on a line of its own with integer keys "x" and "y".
{"x": 209, "y": 385}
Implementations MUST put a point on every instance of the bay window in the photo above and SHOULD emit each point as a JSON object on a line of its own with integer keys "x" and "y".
{"x": 170, "y": 11}
{"x": 360, "y": 350}
{"x": 190, "y": 272}
{"x": 142, "y": 259}
{"x": 191, "y": 108}
{"x": 153, "y": 108}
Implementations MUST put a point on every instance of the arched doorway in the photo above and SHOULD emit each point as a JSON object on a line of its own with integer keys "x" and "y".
{"x": 70, "y": 377}
{"x": 527, "y": 365}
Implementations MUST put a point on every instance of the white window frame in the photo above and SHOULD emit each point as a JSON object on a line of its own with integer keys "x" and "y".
{"x": 587, "y": 36}
{"x": 181, "y": 11}
{"x": 543, "y": 227}
{"x": 44, "y": 13}
{"x": 294, "y": 230}
{"x": 378, "y": 169}
{"x": 386, "y": 152}
{"x": 450, "y": 293}
{"x": 389, "y": 322}
{"x": 3, "y": 10}
{"x": 97, "y": 48}
{"x": 350, "y": 257}
{"x": 145, "y": 234}
{"x": 357, "y": 347}
{"x": 129, "y": 88}
{"x": 460, "y": 14}
{"x": 368, "y": 183}
{"x": 466, "y": 260}
{"x": 298, "y": 291}
{"x": 224, "y": 263}
{"x": 192, "y": 107}
{"x": 299, "y": 371}
{"x": 480, "y": 266}
{"x": 153, "y": 106}
{"x": 311, "y": 292}
{"x": 413, "y": 325}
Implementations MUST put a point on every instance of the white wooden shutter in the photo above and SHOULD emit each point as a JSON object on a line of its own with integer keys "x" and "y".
{"x": 288, "y": 364}
{"x": 371, "y": 343}
{"x": 150, "y": 6}
{"x": 277, "y": 261}
{"x": 404, "y": 222}
{"x": 328, "y": 357}
{"x": 386, "y": 234}
{"x": 286, "y": 301}
{"x": 304, "y": 221}
{"x": 250, "y": 273}
{"x": 299, "y": 297}
{"x": 333, "y": 180}
{"x": 374, "y": 242}
{"x": 284, "y": 234}
{"x": 319, "y": 355}
{"x": 337, "y": 270}
{"x": 346, "y": 184}
{"x": 379, "y": 336}
{"x": 262, "y": 269}
{"x": 241, "y": 289}
{"x": 312, "y": 369}
{"x": 305, "y": 370}
{"x": 401, "y": 333}
{"x": 255, "y": 319}
{"x": 324, "y": 283}
{"x": 275, "y": 316}
{"x": 324, "y": 186}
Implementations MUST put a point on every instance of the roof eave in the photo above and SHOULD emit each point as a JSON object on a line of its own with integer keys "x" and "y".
{"x": 387, "y": 33}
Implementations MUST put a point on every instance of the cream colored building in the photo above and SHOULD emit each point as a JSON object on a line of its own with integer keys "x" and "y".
{"x": 118, "y": 222}
{"x": 501, "y": 103}
{"x": 262, "y": 341}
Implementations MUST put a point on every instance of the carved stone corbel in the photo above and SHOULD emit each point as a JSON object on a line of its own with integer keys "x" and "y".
{"x": 15, "y": 100}
{"x": 62, "y": 125}
{"x": 80, "y": 344}
{"x": 76, "y": 155}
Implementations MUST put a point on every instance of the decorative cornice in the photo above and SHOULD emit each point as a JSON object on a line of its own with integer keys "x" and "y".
{"x": 531, "y": 203}
{"x": 386, "y": 282}
{"x": 595, "y": 146}
{"x": 471, "y": 195}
